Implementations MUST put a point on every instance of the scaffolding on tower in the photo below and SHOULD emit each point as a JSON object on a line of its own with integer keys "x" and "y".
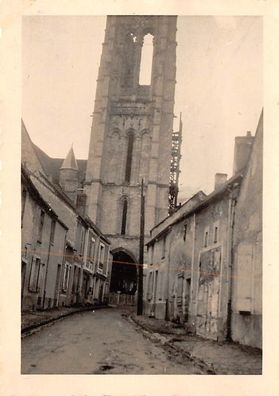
{"x": 174, "y": 168}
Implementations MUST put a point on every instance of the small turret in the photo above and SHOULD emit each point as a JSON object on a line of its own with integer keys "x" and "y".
{"x": 68, "y": 176}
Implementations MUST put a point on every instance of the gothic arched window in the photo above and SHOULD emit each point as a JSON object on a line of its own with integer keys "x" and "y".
{"x": 146, "y": 60}
{"x": 129, "y": 60}
{"x": 129, "y": 157}
{"x": 124, "y": 216}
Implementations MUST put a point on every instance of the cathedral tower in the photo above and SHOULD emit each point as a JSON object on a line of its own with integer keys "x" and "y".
{"x": 132, "y": 128}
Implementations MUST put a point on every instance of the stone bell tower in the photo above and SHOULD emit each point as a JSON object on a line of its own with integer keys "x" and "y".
{"x": 132, "y": 129}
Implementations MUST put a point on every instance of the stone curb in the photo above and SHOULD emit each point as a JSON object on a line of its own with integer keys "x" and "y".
{"x": 208, "y": 367}
{"x": 28, "y": 330}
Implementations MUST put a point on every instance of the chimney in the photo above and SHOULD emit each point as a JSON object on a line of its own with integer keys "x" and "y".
{"x": 220, "y": 179}
{"x": 242, "y": 150}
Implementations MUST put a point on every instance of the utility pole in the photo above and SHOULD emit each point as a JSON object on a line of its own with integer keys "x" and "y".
{"x": 141, "y": 253}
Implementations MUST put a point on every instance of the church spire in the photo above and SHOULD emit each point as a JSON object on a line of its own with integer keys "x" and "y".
{"x": 68, "y": 175}
{"x": 70, "y": 161}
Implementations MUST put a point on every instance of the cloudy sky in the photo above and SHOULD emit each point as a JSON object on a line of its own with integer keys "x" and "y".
{"x": 219, "y": 87}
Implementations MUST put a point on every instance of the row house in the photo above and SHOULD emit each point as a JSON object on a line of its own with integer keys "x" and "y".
{"x": 205, "y": 261}
{"x": 76, "y": 263}
{"x": 43, "y": 244}
{"x": 87, "y": 266}
{"x": 93, "y": 254}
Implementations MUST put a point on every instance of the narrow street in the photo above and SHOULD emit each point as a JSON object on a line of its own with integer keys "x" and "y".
{"x": 100, "y": 342}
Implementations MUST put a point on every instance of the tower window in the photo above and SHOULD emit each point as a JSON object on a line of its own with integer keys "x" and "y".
{"x": 146, "y": 60}
{"x": 124, "y": 217}
{"x": 129, "y": 157}
{"x": 129, "y": 61}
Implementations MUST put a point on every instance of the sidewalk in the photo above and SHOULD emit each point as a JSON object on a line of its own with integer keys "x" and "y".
{"x": 228, "y": 358}
{"x": 33, "y": 319}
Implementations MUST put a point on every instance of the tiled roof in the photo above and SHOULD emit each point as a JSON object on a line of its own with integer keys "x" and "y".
{"x": 52, "y": 165}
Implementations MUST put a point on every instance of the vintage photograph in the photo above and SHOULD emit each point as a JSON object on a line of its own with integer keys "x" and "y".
{"x": 141, "y": 194}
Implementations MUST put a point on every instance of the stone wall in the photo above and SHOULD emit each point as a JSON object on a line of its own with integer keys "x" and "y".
{"x": 246, "y": 326}
{"x": 188, "y": 275}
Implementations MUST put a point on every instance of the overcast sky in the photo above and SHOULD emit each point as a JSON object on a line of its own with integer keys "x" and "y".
{"x": 219, "y": 87}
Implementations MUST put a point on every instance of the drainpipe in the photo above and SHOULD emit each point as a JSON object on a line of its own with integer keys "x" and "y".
{"x": 46, "y": 271}
{"x": 232, "y": 204}
{"x": 62, "y": 269}
{"x": 193, "y": 269}
{"x": 83, "y": 264}
{"x": 167, "y": 317}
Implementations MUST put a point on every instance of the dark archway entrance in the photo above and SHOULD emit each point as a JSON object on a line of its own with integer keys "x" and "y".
{"x": 123, "y": 274}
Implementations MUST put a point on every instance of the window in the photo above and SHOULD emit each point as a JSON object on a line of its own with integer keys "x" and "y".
{"x": 75, "y": 282}
{"x": 129, "y": 60}
{"x": 146, "y": 60}
{"x": 66, "y": 277}
{"x": 41, "y": 225}
{"x": 129, "y": 157}
{"x": 34, "y": 275}
{"x": 215, "y": 234}
{"x": 91, "y": 249}
{"x": 180, "y": 282}
{"x": 150, "y": 285}
{"x": 102, "y": 256}
{"x": 52, "y": 231}
{"x": 81, "y": 242}
{"x": 124, "y": 216}
{"x": 206, "y": 239}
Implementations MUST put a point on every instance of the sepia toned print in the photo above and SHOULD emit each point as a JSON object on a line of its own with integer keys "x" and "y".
{"x": 130, "y": 265}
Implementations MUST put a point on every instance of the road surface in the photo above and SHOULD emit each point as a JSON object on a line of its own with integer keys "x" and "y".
{"x": 100, "y": 342}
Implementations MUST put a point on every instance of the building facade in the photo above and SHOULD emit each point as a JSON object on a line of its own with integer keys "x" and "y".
{"x": 43, "y": 242}
{"x": 66, "y": 260}
{"x": 205, "y": 261}
{"x": 246, "y": 321}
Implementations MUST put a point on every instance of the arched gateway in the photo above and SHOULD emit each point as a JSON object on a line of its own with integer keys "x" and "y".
{"x": 124, "y": 273}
